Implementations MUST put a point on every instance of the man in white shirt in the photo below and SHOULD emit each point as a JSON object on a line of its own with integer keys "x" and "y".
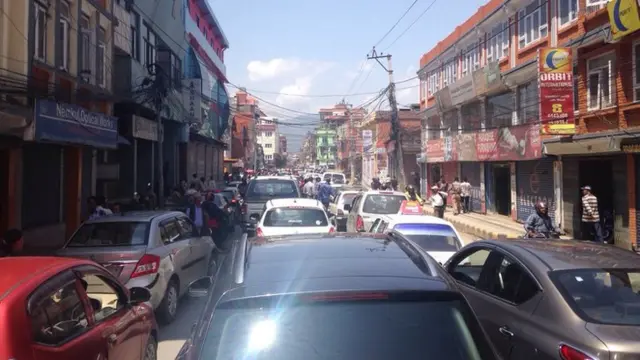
{"x": 437, "y": 201}
{"x": 308, "y": 188}
{"x": 465, "y": 188}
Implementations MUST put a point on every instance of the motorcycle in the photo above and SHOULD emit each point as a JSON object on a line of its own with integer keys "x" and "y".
{"x": 548, "y": 235}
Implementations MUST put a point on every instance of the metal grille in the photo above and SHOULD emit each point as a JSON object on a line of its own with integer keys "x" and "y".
{"x": 534, "y": 183}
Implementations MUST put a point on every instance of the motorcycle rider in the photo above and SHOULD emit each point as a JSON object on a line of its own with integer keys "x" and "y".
{"x": 412, "y": 195}
{"x": 540, "y": 224}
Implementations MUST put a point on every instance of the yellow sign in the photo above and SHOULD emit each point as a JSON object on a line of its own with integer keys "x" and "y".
{"x": 623, "y": 17}
{"x": 555, "y": 60}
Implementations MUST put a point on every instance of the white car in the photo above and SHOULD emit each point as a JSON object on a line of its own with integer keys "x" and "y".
{"x": 337, "y": 209}
{"x": 293, "y": 216}
{"x": 438, "y": 237}
{"x": 370, "y": 205}
{"x": 338, "y": 180}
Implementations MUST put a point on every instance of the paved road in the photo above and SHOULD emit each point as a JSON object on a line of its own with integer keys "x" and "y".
{"x": 173, "y": 336}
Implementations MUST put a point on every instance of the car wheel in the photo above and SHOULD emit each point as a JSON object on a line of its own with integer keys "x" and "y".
{"x": 169, "y": 305}
{"x": 151, "y": 351}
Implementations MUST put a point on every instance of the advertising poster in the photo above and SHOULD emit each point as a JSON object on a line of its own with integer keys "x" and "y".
{"x": 435, "y": 150}
{"x": 367, "y": 140}
{"x": 555, "y": 79}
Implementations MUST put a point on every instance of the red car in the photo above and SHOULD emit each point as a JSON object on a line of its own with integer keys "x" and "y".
{"x": 60, "y": 308}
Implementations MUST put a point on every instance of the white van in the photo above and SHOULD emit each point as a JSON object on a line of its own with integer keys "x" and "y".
{"x": 338, "y": 180}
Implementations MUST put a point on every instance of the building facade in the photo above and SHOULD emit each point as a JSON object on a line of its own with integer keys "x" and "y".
{"x": 268, "y": 137}
{"x": 246, "y": 113}
{"x": 326, "y": 149}
{"x": 282, "y": 143}
{"x": 480, "y": 102}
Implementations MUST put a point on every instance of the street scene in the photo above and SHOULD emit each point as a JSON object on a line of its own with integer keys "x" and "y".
{"x": 453, "y": 177}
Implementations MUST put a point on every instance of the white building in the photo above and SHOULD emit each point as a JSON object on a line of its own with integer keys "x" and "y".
{"x": 268, "y": 137}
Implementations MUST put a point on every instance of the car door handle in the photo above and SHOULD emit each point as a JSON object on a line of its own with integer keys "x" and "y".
{"x": 505, "y": 331}
{"x": 112, "y": 339}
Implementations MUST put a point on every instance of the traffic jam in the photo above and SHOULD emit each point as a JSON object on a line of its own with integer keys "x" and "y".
{"x": 321, "y": 269}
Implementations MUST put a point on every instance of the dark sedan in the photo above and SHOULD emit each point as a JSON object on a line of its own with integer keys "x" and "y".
{"x": 334, "y": 297}
{"x": 553, "y": 299}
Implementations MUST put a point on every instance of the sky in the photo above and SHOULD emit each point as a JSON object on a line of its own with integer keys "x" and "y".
{"x": 301, "y": 56}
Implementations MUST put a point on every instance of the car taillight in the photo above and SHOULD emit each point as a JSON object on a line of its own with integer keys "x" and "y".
{"x": 148, "y": 264}
{"x": 569, "y": 353}
{"x": 332, "y": 230}
{"x": 259, "y": 232}
{"x": 359, "y": 223}
{"x": 244, "y": 209}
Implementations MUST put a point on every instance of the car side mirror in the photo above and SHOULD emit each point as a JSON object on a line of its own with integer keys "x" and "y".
{"x": 138, "y": 295}
{"x": 347, "y": 207}
{"x": 254, "y": 217}
{"x": 200, "y": 287}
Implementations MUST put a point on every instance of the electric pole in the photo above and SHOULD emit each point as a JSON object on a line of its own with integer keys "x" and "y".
{"x": 352, "y": 148}
{"x": 159, "y": 92}
{"x": 398, "y": 159}
{"x": 256, "y": 117}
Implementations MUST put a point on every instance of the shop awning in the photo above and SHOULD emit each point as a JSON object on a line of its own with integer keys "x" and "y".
{"x": 605, "y": 142}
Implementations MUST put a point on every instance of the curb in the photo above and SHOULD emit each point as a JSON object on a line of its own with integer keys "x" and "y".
{"x": 474, "y": 230}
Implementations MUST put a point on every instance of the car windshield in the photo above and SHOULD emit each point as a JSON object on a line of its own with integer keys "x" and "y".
{"x": 347, "y": 199}
{"x": 272, "y": 189}
{"x": 338, "y": 178}
{"x": 337, "y": 330}
{"x": 382, "y": 204}
{"x": 431, "y": 237}
{"x": 117, "y": 233}
{"x": 292, "y": 216}
{"x": 606, "y": 296}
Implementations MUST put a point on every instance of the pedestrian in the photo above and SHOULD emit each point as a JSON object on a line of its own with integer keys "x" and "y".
{"x": 437, "y": 201}
{"x": 150, "y": 198}
{"x": 198, "y": 215}
{"x": 12, "y": 243}
{"x": 325, "y": 192}
{"x": 443, "y": 188}
{"x": 394, "y": 184}
{"x": 456, "y": 195}
{"x": 211, "y": 184}
{"x": 217, "y": 222}
{"x": 242, "y": 188}
{"x": 196, "y": 183}
{"x": 465, "y": 188}
{"x": 136, "y": 203}
{"x": 184, "y": 186}
{"x": 95, "y": 208}
{"x": 308, "y": 188}
{"x": 116, "y": 208}
{"x": 316, "y": 186}
{"x": 590, "y": 215}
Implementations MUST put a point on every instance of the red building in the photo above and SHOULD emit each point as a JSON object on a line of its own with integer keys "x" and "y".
{"x": 283, "y": 144}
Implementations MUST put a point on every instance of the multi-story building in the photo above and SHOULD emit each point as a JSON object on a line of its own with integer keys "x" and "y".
{"x": 56, "y": 120}
{"x": 326, "y": 149}
{"x": 308, "y": 150}
{"x": 205, "y": 72}
{"x": 245, "y": 116}
{"x": 336, "y": 118}
{"x": 268, "y": 137}
{"x": 283, "y": 144}
{"x": 481, "y": 103}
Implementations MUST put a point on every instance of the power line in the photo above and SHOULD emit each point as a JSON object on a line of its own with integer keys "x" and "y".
{"x": 397, "y": 22}
{"x": 411, "y": 25}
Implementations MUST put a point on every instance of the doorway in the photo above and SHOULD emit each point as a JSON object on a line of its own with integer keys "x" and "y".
{"x": 598, "y": 173}
{"x": 502, "y": 188}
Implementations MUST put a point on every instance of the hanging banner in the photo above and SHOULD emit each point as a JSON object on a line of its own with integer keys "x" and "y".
{"x": 367, "y": 141}
{"x": 623, "y": 18}
{"x": 555, "y": 79}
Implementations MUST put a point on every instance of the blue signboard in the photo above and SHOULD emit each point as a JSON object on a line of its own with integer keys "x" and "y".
{"x": 66, "y": 123}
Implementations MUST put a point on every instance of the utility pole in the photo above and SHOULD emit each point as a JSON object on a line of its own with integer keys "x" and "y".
{"x": 352, "y": 148}
{"x": 159, "y": 93}
{"x": 398, "y": 159}
{"x": 255, "y": 142}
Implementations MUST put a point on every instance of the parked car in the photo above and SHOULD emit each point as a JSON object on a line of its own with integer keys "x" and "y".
{"x": 341, "y": 297}
{"x": 60, "y": 308}
{"x": 338, "y": 179}
{"x": 262, "y": 189}
{"x": 158, "y": 250}
{"x": 558, "y": 299}
{"x": 369, "y": 205}
{"x": 337, "y": 209}
{"x": 293, "y": 216}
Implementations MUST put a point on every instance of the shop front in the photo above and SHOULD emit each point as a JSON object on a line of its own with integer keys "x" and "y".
{"x": 205, "y": 157}
{"x": 534, "y": 184}
{"x": 56, "y": 168}
{"x": 472, "y": 172}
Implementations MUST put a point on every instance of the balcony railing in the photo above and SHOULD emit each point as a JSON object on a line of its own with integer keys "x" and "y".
{"x": 193, "y": 29}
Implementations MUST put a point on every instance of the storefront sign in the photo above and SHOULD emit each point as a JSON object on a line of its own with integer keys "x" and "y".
{"x": 462, "y": 90}
{"x": 623, "y": 17}
{"x": 443, "y": 99}
{"x": 555, "y": 79}
{"x": 192, "y": 99}
{"x": 505, "y": 144}
{"x": 488, "y": 79}
{"x": 367, "y": 140}
{"x": 144, "y": 128}
{"x": 631, "y": 148}
{"x": 66, "y": 123}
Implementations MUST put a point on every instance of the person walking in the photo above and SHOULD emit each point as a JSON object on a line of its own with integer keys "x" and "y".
{"x": 308, "y": 188}
{"x": 590, "y": 215}
{"x": 198, "y": 215}
{"x": 456, "y": 192}
{"x": 443, "y": 187}
{"x": 96, "y": 209}
{"x": 465, "y": 194}
{"x": 437, "y": 201}
{"x": 325, "y": 192}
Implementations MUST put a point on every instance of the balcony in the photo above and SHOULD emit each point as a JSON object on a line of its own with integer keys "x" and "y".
{"x": 192, "y": 29}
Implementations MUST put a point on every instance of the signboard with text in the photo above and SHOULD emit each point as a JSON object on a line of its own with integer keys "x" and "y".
{"x": 555, "y": 79}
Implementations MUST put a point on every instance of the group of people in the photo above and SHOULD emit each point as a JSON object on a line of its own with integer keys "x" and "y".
{"x": 459, "y": 191}
{"x": 318, "y": 189}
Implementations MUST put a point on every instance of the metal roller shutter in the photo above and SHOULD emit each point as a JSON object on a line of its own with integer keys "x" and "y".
{"x": 489, "y": 191}
{"x": 571, "y": 197}
{"x": 534, "y": 183}
{"x": 471, "y": 170}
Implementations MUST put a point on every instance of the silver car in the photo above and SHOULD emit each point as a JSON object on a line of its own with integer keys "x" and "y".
{"x": 158, "y": 250}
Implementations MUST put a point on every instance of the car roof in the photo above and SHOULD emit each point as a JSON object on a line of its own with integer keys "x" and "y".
{"x": 348, "y": 192}
{"x": 134, "y": 216}
{"x": 571, "y": 254}
{"x": 341, "y": 256}
{"x": 311, "y": 203}
{"x": 20, "y": 269}
{"x": 396, "y": 219}
{"x": 383, "y": 192}
{"x": 269, "y": 177}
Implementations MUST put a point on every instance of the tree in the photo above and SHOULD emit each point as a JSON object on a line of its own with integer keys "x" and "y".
{"x": 279, "y": 160}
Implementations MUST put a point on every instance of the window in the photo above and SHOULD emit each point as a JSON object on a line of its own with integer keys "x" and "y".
{"x": 471, "y": 59}
{"x": 85, "y": 46}
{"x": 636, "y": 71}
{"x": 117, "y": 233}
{"x": 269, "y": 134}
{"x": 498, "y": 43}
{"x": 500, "y": 109}
{"x": 532, "y": 25}
{"x": 528, "y": 103}
{"x": 63, "y": 42}
{"x": 600, "y": 82}
{"x": 101, "y": 61}
{"x": 272, "y": 188}
{"x": 567, "y": 11}
{"x": 433, "y": 83}
{"x": 467, "y": 270}
{"x": 511, "y": 282}
{"x": 40, "y": 33}
{"x": 104, "y": 297}
{"x": 595, "y": 5}
{"x": 135, "y": 36}
{"x": 150, "y": 45}
{"x": 268, "y": 146}
{"x": 169, "y": 231}
{"x": 176, "y": 71}
{"x": 382, "y": 204}
{"x": 431, "y": 237}
{"x": 303, "y": 217}
{"x": 58, "y": 316}
{"x": 471, "y": 116}
{"x": 268, "y": 157}
{"x": 450, "y": 72}
{"x": 185, "y": 226}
